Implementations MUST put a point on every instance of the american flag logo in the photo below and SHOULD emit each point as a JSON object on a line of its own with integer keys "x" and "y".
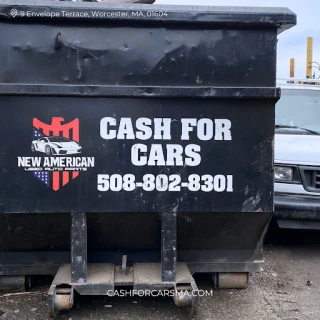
{"x": 56, "y": 179}
{"x": 43, "y": 177}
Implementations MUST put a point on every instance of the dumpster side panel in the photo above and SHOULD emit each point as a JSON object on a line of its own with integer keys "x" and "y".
{"x": 196, "y": 231}
{"x": 151, "y": 55}
{"x": 39, "y": 243}
{"x": 187, "y": 165}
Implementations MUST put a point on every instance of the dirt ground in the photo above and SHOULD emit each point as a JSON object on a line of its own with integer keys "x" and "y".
{"x": 287, "y": 289}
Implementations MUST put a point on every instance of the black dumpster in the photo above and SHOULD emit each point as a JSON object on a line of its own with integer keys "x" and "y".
{"x": 147, "y": 131}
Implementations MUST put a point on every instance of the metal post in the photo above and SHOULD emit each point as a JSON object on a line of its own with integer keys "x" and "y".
{"x": 78, "y": 248}
{"x": 309, "y": 57}
{"x": 292, "y": 67}
{"x": 169, "y": 247}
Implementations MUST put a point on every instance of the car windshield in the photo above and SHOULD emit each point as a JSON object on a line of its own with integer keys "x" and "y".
{"x": 58, "y": 139}
{"x": 299, "y": 109}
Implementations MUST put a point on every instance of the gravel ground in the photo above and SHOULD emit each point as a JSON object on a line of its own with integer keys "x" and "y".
{"x": 288, "y": 289}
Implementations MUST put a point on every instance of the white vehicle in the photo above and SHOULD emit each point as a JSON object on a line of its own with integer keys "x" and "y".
{"x": 55, "y": 146}
{"x": 297, "y": 156}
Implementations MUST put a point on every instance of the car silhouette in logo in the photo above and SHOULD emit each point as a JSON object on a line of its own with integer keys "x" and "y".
{"x": 55, "y": 146}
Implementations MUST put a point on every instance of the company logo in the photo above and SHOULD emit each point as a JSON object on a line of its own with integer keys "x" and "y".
{"x": 58, "y": 149}
{"x": 56, "y": 139}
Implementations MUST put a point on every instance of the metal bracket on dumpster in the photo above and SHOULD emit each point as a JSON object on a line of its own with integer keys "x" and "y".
{"x": 78, "y": 248}
{"x": 101, "y": 279}
{"x": 168, "y": 246}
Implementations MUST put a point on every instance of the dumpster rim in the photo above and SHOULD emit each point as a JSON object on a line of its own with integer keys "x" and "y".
{"x": 205, "y": 92}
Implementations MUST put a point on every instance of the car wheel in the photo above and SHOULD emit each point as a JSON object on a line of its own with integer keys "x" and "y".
{"x": 48, "y": 150}
{"x": 33, "y": 149}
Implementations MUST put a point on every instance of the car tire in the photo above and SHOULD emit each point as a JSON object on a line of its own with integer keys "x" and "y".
{"x": 48, "y": 150}
{"x": 33, "y": 149}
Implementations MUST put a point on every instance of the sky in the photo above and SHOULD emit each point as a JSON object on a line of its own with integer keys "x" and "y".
{"x": 293, "y": 42}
